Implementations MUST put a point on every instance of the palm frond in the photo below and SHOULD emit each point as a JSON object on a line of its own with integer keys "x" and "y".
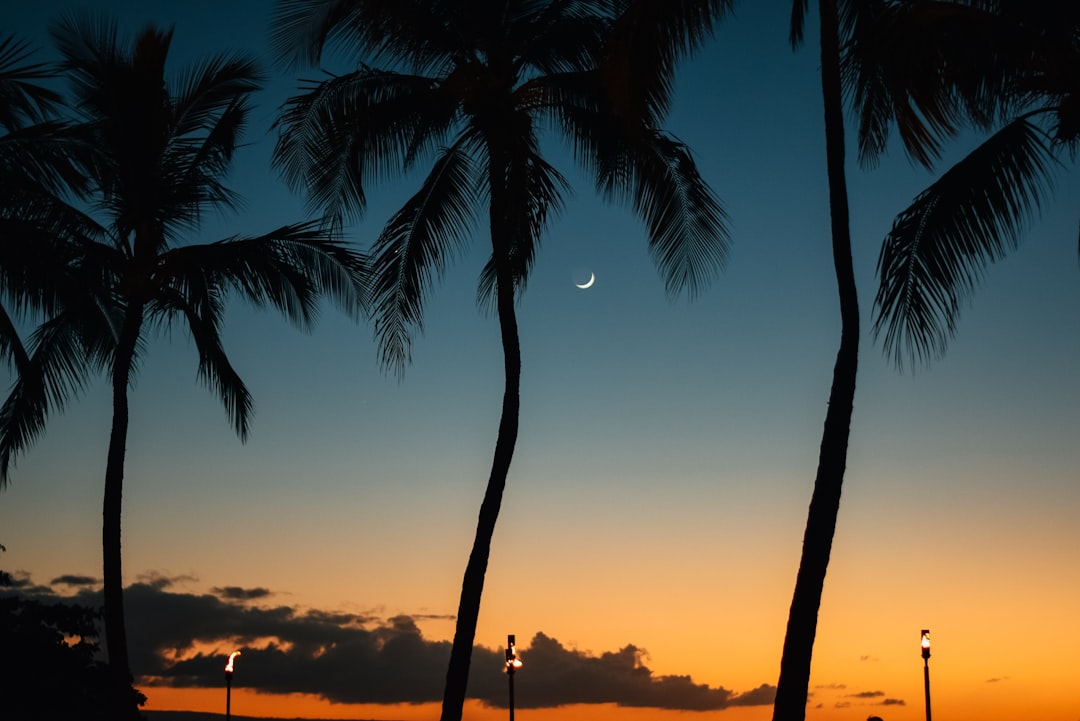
{"x": 797, "y": 27}
{"x": 687, "y": 225}
{"x": 536, "y": 188}
{"x": 205, "y": 90}
{"x": 930, "y": 69}
{"x": 290, "y": 268}
{"x": 935, "y": 255}
{"x": 193, "y": 168}
{"x": 209, "y": 113}
{"x": 214, "y": 367}
{"x": 23, "y": 100}
{"x": 415, "y": 247}
{"x": 56, "y": 369}
{"x": 43, "y": 158}
{"x": 645, "y": 43}
{"x": 88, "y": 44}
{"x": 561, "y": 37}
{"x": 350, "y": 129}
{"x": 48, "y": 253}
{"x": 11, "y": 345}
{"x": 409, "y": 32}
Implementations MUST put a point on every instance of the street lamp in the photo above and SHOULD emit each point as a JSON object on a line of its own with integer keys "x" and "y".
{"x": 513, "y": 663}
{"x": 228, "y": 684}
{"x": 926, "y": 668}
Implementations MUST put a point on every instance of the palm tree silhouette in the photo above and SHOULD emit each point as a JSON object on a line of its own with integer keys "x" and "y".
{"x": 469, "y": 83}
{"x": 929, "y": 68}
{"x": 157, "y": 153}
{"x": 1006, "y": 68}
{"x": 794, "y": 680}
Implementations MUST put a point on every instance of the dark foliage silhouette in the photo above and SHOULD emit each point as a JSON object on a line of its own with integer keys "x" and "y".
{"x": 51, "y": 667}
{"x": 930, "y": 70}
{"x": 153, "y": 154}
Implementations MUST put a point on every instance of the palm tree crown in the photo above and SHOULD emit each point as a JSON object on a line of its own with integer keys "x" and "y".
{"x": 932, "y": 69}
{"x": 471, "y": 85}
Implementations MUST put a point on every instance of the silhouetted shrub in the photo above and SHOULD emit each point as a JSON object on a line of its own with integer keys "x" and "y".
{"x": 50, "y": 653}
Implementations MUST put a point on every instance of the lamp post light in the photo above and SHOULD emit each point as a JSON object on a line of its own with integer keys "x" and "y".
{"x": 228, "y": 684}
{"x": 513, "y": 663}
{"x": 926, "y": 668}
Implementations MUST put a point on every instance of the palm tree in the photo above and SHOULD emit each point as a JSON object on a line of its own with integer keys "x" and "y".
{"x": 1002, "y": 66}
{"x": 929, "y": 67}
{"x": 469, "y": 83}
{"x": 160, "y": 152}
{"x": 794, "y": 680}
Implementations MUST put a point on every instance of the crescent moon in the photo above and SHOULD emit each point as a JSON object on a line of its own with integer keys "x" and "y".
{"x": 588, "y": 283}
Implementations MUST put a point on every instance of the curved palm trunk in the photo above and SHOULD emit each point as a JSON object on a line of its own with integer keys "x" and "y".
{"x": 472, "y": 586}
{"x": 791, "y": 690}
{"x": 115, "y": 630}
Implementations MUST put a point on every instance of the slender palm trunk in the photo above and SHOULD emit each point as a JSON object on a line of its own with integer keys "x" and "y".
{"x": 472, "y": 586}
{"x": 791, "y": 691}
{"x": 115, "y": 630}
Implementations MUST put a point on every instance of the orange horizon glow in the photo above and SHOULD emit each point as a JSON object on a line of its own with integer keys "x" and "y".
{"x": 247, "y": 702}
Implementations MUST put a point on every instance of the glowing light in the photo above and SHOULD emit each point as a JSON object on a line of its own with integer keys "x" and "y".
{"x": 926, "y": 643}
{"x": 229, "y": 665}
{"x": 513, "y": 662}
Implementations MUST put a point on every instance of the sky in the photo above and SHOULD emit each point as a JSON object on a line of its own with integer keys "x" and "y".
{"x": 652, "y": 523}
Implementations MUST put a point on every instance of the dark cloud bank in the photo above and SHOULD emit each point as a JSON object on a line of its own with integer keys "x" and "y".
{"x": 353, "y": 658}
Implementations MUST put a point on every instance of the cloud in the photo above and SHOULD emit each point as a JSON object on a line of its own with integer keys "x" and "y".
{"x": 236, "y": 593}
{"x": 873, "y": 695}
{"x": 75, "y": 580}
{"x": 555, "y": 675}
{"x": 161, "y": 581}
{"x": 997, "y": 679}
{"x": 182, "y": 640}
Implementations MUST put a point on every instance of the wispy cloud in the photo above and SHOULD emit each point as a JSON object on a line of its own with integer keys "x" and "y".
{"x": 867, "y": 695}
{"x": 181, "y": 639}
{"x": 75, "y": 580}
{"x": 236, "y": 593}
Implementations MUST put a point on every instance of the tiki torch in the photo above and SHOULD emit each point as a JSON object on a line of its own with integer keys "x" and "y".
{"x": 513, "y": 663}
{"x": 926, "y": 668}
{"x": 228, "y": 684}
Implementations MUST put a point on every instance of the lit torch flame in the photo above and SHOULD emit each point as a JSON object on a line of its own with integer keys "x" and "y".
{"x": 229, "y": 665}
{"x": 513, "y": 663}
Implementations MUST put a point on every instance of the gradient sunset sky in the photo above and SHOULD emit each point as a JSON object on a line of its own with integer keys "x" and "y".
{"x": 654, "y": 511}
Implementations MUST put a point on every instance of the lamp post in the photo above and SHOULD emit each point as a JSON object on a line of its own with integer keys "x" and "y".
{"x": 228, "y": 684}
{"x": 926, "y": 668}
{"x": 513, "y": 663}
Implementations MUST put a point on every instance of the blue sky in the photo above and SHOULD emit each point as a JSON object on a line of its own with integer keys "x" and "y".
{"x": 667, "y": 448}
